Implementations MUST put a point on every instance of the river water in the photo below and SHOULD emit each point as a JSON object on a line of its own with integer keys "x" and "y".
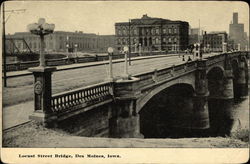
{"x": 242, "y": 114}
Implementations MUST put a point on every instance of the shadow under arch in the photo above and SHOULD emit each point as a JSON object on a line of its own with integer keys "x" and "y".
{"x": 168, "y": 113}
{"x": 220, "y": 102}
{"x": 235, "y": 69}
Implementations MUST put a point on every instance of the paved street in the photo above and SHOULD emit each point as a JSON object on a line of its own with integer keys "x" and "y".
{"x": 17, "y": 98}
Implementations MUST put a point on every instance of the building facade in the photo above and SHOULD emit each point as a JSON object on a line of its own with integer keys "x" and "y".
{"x": 194, "y": 36}
{"x": 214, "y": 40}
{"x": 60, "y": 41}
{"x": 236, "y": 33}
{"x": 152, "y": 34}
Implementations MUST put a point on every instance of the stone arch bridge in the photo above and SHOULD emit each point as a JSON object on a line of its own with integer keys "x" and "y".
{"x": 193, "y": 96}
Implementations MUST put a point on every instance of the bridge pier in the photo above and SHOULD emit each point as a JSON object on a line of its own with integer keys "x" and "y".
{"x": 221, "y": 106}
{"x": 200, "y": 118}
{"x": 124, "y": 121}
{"x": 241, "y": 81}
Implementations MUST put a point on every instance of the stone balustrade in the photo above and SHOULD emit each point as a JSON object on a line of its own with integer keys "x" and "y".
{"x": 81, "y": 97}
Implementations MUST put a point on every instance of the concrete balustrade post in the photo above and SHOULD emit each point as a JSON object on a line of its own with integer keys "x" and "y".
{"x": 42, "y": 96}
{"x": 200, "y": 118}
{"x": 125, "y": 122}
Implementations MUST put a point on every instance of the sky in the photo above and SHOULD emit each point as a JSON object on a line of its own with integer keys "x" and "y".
{"x": 100, "y": 16}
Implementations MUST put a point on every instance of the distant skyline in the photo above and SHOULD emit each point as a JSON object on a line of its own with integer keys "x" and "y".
{"x": 100, "y": 16}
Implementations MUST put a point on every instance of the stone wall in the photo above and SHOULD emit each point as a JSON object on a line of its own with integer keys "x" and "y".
{"x": 94, "y": 123}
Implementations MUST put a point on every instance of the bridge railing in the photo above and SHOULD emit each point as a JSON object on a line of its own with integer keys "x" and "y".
{"x": 158, "y": 75}
{"x": 81, "y": 97}
{"x": 56, "y": 62}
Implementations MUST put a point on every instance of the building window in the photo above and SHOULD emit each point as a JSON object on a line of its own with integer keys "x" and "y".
{"x": 135, "y": 32}
{"x": 124, "y": 32}
{"x": 164, "y": 40}
{"x": 169, "y": 40}
{"x": 170, "y": 31}
{"x": 175, "y": 31}
{"x": 152, "y": 31}
{"x": 175, "y": 40}
{"x": 157, "y": 31}
{"x": 164, "y": 31}
{"x": 156, "y": 41}
{"x": 124, "y": 41}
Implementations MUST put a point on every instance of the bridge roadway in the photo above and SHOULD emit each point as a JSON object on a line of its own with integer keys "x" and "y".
{"x": 20, "y": 89}
{"x": 17, "y": 98}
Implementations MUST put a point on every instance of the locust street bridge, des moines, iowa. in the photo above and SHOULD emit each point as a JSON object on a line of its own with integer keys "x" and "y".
{"x": 192, "y": 96}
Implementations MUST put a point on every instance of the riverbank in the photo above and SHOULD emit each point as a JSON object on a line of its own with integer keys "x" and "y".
{"x": 31, "y": 135}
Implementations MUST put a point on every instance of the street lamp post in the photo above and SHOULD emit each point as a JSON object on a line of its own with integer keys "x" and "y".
{"x": 194, "y": 53}
{"x": 139, "y": 49}
{"x": 239, "y": 47}
{"x": 67, "y": 48}
{"x": 224, "y": 48}
{"x": 76, "y": 53}
{"x": 41, "y": 28}
{"x": 126, "y": 49}
{"x": 110, "y": 54}
{"x": 42, "y": 75}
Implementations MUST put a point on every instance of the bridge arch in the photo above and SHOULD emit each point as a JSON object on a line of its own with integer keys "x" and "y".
{"x": 215, "y": 77}
{"x": 215, "y": 67}
{"x": 189, "y": 80}
{"x": 168, "y": 113}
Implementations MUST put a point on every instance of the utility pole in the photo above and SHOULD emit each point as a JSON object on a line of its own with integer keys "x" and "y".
{"x": 199, "y": 32}
{"x": 129, "y": 48}
{"x": 4, "y": 50}
{"x": 4, "y": 39}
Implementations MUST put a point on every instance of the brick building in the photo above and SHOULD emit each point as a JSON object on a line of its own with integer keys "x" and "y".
{"x": 152, "y": 34}
{"x": 214, "y": 40}
{"x": 58, "y": 41}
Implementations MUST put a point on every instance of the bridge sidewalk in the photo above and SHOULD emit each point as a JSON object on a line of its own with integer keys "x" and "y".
{"x": 82, "y": 65}
{"x": 16, "y": 114}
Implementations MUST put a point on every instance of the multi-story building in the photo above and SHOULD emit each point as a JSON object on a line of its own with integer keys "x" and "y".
{"x": 193, "y": 36}
{"x": 236, "y": 33}
{"x": 152, "y": 34}
{"x": 61, "y": 41}
{"x": 215, "y": 40}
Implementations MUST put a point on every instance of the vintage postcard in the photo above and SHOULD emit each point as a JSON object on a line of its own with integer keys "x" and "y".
{"x": 125, "y": 81}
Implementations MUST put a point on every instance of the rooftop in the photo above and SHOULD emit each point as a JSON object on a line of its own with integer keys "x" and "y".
{"x": 145, "y": 19}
